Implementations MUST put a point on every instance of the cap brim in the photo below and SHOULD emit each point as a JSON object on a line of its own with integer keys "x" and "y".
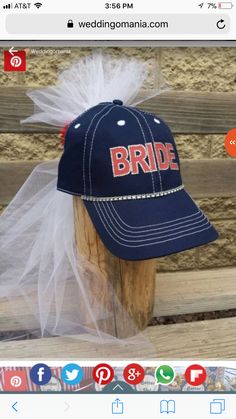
{"x": 148, "y": 228}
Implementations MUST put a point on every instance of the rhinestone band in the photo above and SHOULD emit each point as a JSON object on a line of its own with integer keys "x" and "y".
{"x": 130, "y": 197}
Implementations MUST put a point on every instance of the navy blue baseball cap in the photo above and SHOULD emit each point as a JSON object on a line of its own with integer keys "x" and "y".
{"x": 124, "y": 164}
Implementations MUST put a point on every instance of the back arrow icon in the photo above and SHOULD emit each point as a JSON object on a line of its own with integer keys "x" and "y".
{"x": 14, "y": 407}
{"x": 12, "y": 50}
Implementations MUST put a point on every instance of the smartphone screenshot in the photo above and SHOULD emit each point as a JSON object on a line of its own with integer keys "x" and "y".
{"x": 117, "y": 209}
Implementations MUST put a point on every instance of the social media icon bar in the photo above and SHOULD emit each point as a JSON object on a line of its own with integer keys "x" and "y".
{"x": 195, "y": 375}
{"x": 103, "y": 374}
{"x": 134, "y": 374}
{"x": 165, "y": 374}
{"x": 72, "y": 374}
{"x": 40, "y": 374}
{"x": 15, "y": 381}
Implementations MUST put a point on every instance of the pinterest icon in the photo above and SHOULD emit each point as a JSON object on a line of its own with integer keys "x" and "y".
{"x": 15, "y": 381}
{"x": 103, "y": 374}
{"x": 14, "y": 60}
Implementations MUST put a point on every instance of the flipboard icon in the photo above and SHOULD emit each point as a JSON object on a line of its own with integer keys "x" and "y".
{"x": 14, "y": 60}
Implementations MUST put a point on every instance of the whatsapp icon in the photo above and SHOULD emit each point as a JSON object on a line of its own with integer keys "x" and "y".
{"x": 164, "y": 375}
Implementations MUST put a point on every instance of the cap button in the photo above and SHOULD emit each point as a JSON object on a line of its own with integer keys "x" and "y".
{"x": 117, "y": 102}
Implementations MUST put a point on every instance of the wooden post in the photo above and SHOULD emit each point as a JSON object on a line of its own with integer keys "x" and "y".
{"x": 122, "y": 287}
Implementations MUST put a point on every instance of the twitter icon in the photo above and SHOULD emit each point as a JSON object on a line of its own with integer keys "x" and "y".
{"x": 72, "y": 374}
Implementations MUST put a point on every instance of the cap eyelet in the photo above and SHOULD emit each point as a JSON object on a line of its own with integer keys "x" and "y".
{"x": 121, "y": 123}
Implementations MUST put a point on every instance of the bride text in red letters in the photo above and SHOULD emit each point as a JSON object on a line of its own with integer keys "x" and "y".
{"x": 146, "y": 158}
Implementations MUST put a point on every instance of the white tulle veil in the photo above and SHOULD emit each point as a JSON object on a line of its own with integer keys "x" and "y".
{"x": 41, "y": 272}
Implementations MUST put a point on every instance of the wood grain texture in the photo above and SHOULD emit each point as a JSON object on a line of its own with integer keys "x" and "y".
{"x": 195, "y": 291}
{"x": 185, "y": 112}
{"x": 175, "y": 293}
{"x": 202, "y": 178}
{"x": 16, "y": 106}
{"x": 209, "y": 178}
{"x": 123, "y": 289}
{"x": 12, "y": 177}
{"x": 213, "y": 340}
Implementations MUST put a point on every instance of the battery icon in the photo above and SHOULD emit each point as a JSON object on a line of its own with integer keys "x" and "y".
{"x": 225, "y": 5}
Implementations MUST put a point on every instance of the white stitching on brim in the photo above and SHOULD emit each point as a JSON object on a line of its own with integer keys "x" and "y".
{"x": 154, "y": 242}
{"x": 177, "y": 226}
{"x": 134, "y": 239}
{"x": 132, "y": 197}
{"x": 158, "y": 224}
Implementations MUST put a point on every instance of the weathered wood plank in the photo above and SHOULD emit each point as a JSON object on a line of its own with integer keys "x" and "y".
{"x": 195, "y": 112}
{"x": 175, "y": 293}
{"x": 195, "y": 291}
{"x": 15, "y": 106}
{"x": 12, "y": 177}
{"x": 186, "y": 112}
{"x": 202, "y": 178}
{"x": 208, "y": 178}
{"x": 213, "y": 340}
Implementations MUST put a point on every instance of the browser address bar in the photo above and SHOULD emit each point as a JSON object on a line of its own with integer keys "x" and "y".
{"x": 117, "y": 24}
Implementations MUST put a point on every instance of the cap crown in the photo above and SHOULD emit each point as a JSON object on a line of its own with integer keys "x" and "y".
{"x": 114, "y": 150}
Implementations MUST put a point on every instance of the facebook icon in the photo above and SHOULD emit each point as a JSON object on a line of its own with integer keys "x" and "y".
{"x": 40, "y": 374}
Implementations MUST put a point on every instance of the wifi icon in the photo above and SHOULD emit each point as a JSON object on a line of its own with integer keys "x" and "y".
{"x": 38, "y": 5}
